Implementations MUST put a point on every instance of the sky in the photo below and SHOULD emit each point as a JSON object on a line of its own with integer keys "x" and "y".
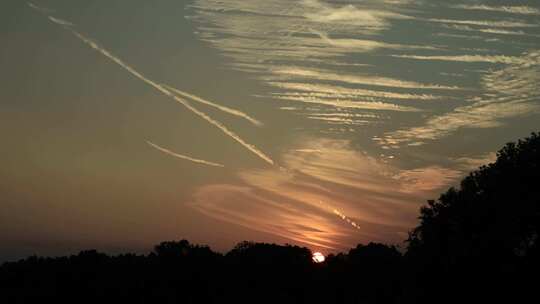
{"x": 318, "y": 123}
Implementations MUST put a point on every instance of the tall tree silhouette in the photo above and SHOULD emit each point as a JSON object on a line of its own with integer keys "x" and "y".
{"x": 487, "y": 230}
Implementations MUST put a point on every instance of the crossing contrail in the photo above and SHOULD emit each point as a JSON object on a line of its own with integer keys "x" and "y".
{"x": 161, "y": 89}
{"x": 217, "y": 106}
{"x": 60, "y": 21}
{"x": 169, "y": 152}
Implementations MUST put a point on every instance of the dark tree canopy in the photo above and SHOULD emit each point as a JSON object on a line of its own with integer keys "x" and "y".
{"x": 262, "y": 253}
{"x": 484, "y": 234}
{"x": 496, "y": 210}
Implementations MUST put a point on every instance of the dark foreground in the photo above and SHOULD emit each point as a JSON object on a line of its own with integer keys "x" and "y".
{"x": 476, "y": 244}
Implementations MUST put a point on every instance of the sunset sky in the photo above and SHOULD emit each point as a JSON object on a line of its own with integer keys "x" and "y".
{"x": 319, "y": 123}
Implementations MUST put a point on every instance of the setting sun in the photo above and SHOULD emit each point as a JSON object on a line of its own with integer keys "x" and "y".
{"x": 318, "y": 257}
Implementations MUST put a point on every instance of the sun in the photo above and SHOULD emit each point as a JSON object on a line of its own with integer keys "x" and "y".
{"x": 318, "y": 257}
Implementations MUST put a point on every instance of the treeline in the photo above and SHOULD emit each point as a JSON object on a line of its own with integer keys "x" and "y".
{"x": 179, "y": 272}
{"x": 477, "y": 243}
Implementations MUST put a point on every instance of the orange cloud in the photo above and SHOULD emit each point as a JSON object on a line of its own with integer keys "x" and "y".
{"x": 328, "y": 196}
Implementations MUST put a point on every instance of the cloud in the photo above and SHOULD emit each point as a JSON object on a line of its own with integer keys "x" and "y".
{"x": 281, "y": 41}
{"x": 468, "y": 163}
{"x": 302, "y": 49}
{"x": 332, "y": 91}
{"x": 340, "y": 120}
{"x": 361, "y": 45}
{"x": 169, "y": 152}
{"x": 345, "y": 104}
{"x": 293, "y": 73}
{"x": 490, "y": 23}
{"x": 510, "y": 92}
{"x": 349, "y": 14}
{"x": 428, "y": 178}
{"x": 497, "y": 31}
{"x": 520, "y": 10}
{"x": 468, "y": 58}
{"x": 330, "y": 196}
{"x": 476, "y": 116}
{"x": 244, "y": 206}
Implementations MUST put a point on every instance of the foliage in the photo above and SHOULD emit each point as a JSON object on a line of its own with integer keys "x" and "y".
{"x": 485, "y": 233}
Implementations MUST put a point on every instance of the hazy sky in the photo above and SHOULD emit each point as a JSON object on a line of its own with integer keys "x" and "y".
{"x": 320, "y": 123}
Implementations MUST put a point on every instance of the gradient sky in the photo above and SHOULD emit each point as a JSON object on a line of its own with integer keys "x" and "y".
{"x": 320, "y": 123}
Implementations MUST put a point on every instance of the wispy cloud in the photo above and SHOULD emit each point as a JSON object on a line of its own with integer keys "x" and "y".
{"x": 488, "y": 30}
{"x": 292, "y": 45}
{"x": 361, "y": 45}
{"x": 295, "y": 46}
{"x": 468, "y": 58}
{"x": 520, "y": 10}
{"x": 478, "y": 116}
{"x": 490, "y": 23}
{"x": 293, "y": 73}
{"x": 330, "y": 197}
{"x": 427, "y": 178}
{"x": 345, "y": 103}
{"x": 468, "y": 163}
{"x": 373, "y": 18}
{"x": 340, "y": 120}
{"x": 245, "y": 206}
{"x": 510, "y": 92}
{"x": 332, "y": 91}
{"x": 195, "y": 160}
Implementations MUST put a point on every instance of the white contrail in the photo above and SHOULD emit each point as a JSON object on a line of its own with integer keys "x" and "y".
{"x": 41, "y": 9}
{"x": 169, "y": 152}
{"x": 217, "y": 106}
{"x": 60, "y": 21}
{"x": 176, "y": 98}
{"x": 163, "y": 90}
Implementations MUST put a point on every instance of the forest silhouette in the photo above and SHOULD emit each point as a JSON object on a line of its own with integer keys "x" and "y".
{"x": 476, "y": 243}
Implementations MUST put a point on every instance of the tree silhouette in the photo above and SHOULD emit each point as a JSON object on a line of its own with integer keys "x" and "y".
{"x": 487, "y": 230}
